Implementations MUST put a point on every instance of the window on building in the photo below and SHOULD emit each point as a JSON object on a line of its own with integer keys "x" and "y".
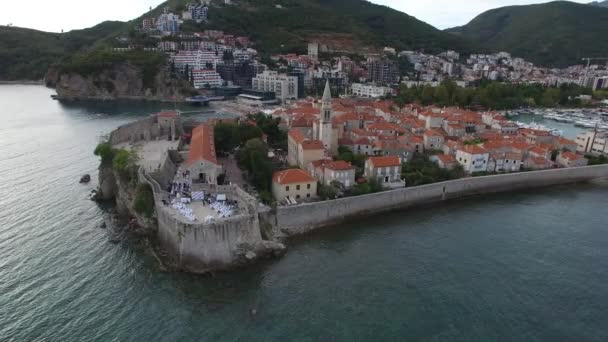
{"x": 297, "y": 187}
{"x": 286, "y": 188}
{"x": 307, "y": 195}
{"x": 308, "y": 186}
{"x": 297, "y": 196}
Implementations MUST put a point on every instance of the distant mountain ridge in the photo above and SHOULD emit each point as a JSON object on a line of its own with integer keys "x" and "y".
{"x": 27, "y": 54}
{"x": 343, "y": 24}
{"x": 599, "y": 3}
{"x": 557, "y": 33}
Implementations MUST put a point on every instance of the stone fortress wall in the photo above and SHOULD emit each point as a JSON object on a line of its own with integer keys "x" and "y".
{"x": 200, "y": 247}
{"x": 304, "y": 218}
{"x": 146, "y": 129}
{"x": 194, "y": 246}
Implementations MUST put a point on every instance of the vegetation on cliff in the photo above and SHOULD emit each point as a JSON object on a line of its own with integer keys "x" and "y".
{"x": 347, "y": 24}
{"x": 493, "y": 95}
{"x": 92, "y": 63}
{"x": 123, "y": 162}
{"x": 557, "y": 33}
{"x": 105, "y": 151}
{"x": 27, "y": 54}
{"x": 144, "y": 200}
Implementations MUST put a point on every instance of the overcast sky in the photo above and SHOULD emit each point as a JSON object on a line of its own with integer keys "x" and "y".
{"x": 66, "y": 15}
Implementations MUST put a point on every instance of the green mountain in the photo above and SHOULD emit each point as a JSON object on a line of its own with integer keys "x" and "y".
{"x": 343, "y": 24}
{"x": 274, "y": 25}
{"x": 27, "y": 54}
{"x": 553, "y": 34}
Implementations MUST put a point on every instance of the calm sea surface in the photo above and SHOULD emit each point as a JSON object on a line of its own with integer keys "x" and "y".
{"x": 523, "y": 267}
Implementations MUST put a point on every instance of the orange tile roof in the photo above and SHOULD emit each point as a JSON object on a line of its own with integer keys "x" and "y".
{"x": 297, "y": 136}
{"x": 167, "y": 114}
{"x": 339, "y": 165}
{"x": 564, "y": 141}
{"x": 312, "y": 145}
{"x": 292, "y": 176}
{"x": 446, "y": 158}
{"x": 473, "y": 149}
{"x": 384, "y": 126}
{"x": 539, "y": 150}
{"x": 570, "y": 156}
{"x": 433, "y": 133}
{"x": 362, "y": 141}
{"x": 304, "y": 111}
{"x": 202, "y": 145}
{"x": 539, "y": 160}
{"x": 385, "y": 161}
{"x": 534, "y": 132}
{"x": 416, "y": 140}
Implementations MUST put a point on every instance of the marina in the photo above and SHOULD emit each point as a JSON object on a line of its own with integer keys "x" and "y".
{"x": 585, "y": 118}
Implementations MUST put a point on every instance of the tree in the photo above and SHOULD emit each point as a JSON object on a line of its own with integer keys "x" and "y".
{"x": 125, "y": 164}
{"x": 327, "y": 192}
{"x": 106, "y": 152}
{"x": 253, "y": 157}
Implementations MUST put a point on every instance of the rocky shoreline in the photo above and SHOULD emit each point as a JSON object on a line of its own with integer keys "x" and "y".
{"x": 112, "y": 189}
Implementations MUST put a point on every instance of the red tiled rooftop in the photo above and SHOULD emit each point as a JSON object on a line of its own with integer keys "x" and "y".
{"x": 570, "y": 156}
{"x": 538, "y": 150}
{"x": 433, "y": 133}
{"x": 339, "y": 165}
{"x": 202, "y": 145}
{"x": 312, "y": 145}
{"x": 385, "y": 161}
{"x": 297, "y": 136}
{"x": 473, "y": 149}
{"x": 167, "y": 114}
{"x": 292, "y": 176}
{"x": 446, "y": 158}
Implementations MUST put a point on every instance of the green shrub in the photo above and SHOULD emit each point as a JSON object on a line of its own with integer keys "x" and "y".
{"x": 144, "y": 200}
{"x": 106, "y": 152}
{"x": 125, "y": 164}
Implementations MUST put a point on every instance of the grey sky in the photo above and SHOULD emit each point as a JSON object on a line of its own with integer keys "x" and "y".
{"x": 66, "y": 15}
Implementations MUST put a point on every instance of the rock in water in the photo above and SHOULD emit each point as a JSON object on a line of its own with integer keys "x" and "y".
{"x": 250, "y": 255}
{"x": 85, "y": 179}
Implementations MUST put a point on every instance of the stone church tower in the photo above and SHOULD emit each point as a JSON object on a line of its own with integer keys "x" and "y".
{"x": 326, "y": 131}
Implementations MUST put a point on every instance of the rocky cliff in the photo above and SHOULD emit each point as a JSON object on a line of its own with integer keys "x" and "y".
{"x": 113, "y": 188}
{"x": 120, "y": 81}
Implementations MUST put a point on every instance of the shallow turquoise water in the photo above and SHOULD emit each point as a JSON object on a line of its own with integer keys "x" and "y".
{"x": 523, "y": 267}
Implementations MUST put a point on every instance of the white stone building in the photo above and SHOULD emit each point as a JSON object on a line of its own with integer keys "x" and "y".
{"x": 285, "y": 87}
{"x": 206, "y": 78}
{"x": 473, "y": 158}
{"x": 370, "y": 91}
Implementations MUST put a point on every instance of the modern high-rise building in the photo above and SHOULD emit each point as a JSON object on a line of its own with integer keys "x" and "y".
{"x": 206, "y": 78}
{"x": 196, "y": 60}
{"x": 285, "y": 87}
{"x": 167, "y": 22}
{"x": 198, "y": 12}
{"x": 238, "y": 73}
{"x": 383, "y": 72}
{"x": 300, "y": 75}
{"x": 600, "y": 83}
{"x": 313, "y": 51}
